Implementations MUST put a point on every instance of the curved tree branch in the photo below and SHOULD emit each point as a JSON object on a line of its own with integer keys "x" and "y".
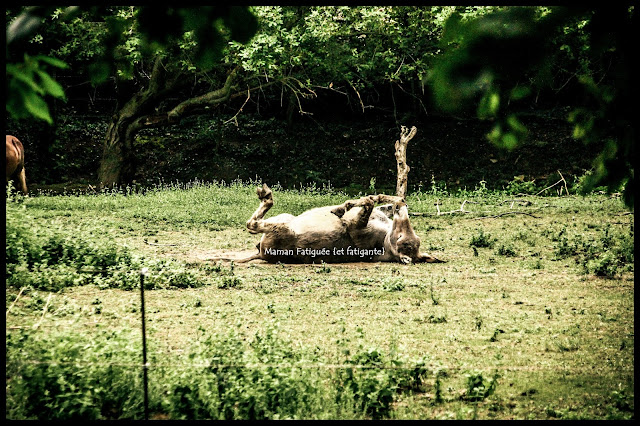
{"x": 214, "y": 97}
{"x": 191, "y": 105}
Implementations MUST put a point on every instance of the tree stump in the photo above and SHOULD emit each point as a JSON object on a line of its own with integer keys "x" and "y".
{"x": 401, "y": 158}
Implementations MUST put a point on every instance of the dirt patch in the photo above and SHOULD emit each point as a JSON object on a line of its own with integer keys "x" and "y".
{"x": 235, "y": 255}
{"x": 224, "y": 255}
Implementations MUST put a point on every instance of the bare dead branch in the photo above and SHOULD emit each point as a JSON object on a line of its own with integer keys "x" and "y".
{"x": 297, "y": 92}
{"x": 359, "y": 98}
{"x": 14, "y": 302}
{"x": 260, "y": 87}
{"x": 401, "y": 158}
{"x": 517, "y": 200}
{"x": 160, "y": 245}
{"x": 504, "y": 214}
{"x": 414, "y": 97}
{"x": 439, "y": 213}
{"x": 557, "y": 183}
{"x": 330, "y": 87}
{"x": 566, "y": 190}
{"x": 549, "y": 187}
{"x": 460, "y": 210}
{"x": 235, "y": 117}
{"x": 44, "y": 312}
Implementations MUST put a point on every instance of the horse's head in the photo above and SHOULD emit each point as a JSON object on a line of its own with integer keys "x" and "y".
{"x": 402, "y": 239}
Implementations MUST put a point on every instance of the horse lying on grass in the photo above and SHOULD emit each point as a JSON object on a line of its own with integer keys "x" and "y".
{"x": 354, "y": 231}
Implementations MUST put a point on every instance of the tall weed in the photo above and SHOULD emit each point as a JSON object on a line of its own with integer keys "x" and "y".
{"x": 58, "y": 375}
{"x": 61, "y": 375}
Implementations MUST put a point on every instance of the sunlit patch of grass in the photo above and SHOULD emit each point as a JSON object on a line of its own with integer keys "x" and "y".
{"x": 545, "y": 320}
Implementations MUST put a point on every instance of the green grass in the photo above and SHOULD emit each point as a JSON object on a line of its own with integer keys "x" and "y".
{"x": 530, "y": 318}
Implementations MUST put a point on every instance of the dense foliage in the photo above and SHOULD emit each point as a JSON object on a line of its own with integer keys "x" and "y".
{"x": 506, "y": 56}
{"x": 392, "y": 59}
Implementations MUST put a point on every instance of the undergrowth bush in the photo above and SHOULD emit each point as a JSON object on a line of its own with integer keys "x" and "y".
{"x": 482, "y": 240}
{"x": 520, "y": 186}
{"x": 478, "y": 387}
{"x": 226, "y": 378}
{"x": 608, "y": 255}
{"x": 59, "y": 375}
{"x": 62, "y": 375}
{"x": 51, "y": 259}
{"x": 506, "y": 250}
{"x": 377, "y": 378}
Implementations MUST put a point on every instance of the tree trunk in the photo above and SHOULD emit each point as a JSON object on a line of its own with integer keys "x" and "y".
{"x": 118, "y": 163}
{"x": 117, "y": 166}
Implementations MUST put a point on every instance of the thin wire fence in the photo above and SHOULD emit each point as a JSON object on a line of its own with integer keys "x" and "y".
{"x": 145, "y": 365}
{"x": 434, "y": 371}
{"x": 449, "y": 369}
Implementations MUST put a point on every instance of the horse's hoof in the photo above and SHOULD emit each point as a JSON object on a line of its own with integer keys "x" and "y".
{"x": 264, "y": 192}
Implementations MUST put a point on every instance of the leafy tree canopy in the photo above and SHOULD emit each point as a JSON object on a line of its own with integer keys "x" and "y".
{"x": 498, "y": 59}
{"x": 111, "y": 41}
{"x": 487, "y": 59}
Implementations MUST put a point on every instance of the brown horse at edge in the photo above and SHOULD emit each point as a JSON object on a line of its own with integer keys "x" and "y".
{"x": 15, "y": 163}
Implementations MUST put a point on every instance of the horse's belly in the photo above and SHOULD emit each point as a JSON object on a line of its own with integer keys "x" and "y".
{"x": 321, "y": 236}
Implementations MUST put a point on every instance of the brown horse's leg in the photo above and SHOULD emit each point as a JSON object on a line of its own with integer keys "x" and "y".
{"x": 21, "y": 179}
{"x": 255, "y": 224}
{"x": 341, "y": 209}
{"x": 362, "y": 217}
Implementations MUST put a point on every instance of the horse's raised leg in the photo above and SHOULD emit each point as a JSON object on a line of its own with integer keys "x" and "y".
{"x": 361, "y": 219}
{"x": 386, "y": 199}
{"x": 255, "y": 224}
{"x": 341, "y": 209}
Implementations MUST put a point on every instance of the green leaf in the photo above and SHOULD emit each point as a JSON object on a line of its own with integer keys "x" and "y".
{"x": 579, "y": 132}
{"x": 51, "y": 86}
{"x": 505, "y": 140}
{"x": 520, "y": 92}
{"x": 37, "y": 106}
{"x": 509, "y": 141}
{"x": 55, "y": 62}
{"x": 518, "y": 128}
{"x": 495, "y": 134}
{"x": 489, "y": 105}
{"x": 19, "y": 76}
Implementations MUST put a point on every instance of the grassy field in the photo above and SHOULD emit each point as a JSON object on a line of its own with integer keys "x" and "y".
{"x": 532, "y": 316}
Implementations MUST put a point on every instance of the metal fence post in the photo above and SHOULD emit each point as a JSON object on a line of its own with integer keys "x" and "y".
{"x": 143, "y": 272}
